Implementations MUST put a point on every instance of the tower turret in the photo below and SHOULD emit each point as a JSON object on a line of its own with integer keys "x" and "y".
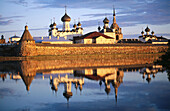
{"x": 152, "y": 32}
{"x": 147, "y": 30}
{"x": 106, "y": 22}
{"x": 74, "y": 26}
{"x": 66, "y": 21}
{"x": 27, "y": 44}
{"x": 142, "y": 32}
{"x": 114, "y": 25}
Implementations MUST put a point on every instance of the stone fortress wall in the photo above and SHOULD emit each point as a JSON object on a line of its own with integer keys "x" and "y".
{"x": 74, "y": 49}
{"x": 82, "y": 49}
{"x": 33, "y": 66}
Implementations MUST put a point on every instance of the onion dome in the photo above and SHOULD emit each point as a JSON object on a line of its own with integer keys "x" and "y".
{"x": 80, "y": 88}
{"x": 51, "y": 26}
{"x": 54, "y": 24}
{"x": 142, "y": 32}
{"x": 105, "y": 20}
{"x": 65, "y": 18}
{"x": 107, "y": 90}
{"x": 152, "y": 32}
{"x": 114, "y": 26}
{"x": 148, "y": 79}
{"x": 67, "y": 95}
{"x": 74, "y": 26}
{"x": 79, "y": 24}
{"x": 104, "y": 27}
{"x": 147, "y": 29}
{"x": 99, "y": 28}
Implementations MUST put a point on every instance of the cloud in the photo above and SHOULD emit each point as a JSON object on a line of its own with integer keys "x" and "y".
{"x": 20, "y": 2}
{"x": 8, "y": 20}
{"x": 129, "y": 13}
{"x": 98, "y": 15}
{"x": 35, "y": 29}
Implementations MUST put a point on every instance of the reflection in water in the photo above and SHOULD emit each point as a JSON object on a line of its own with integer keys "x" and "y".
{"x": 107, "y": 73}
{"x": 104, "y": 75}
{"x": 108, "y": 76}
{"x": 151, "y": 71}
{"x": 67, "y": 84}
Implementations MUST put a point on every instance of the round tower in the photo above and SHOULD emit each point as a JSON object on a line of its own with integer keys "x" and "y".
{"x": 27, "y": 45}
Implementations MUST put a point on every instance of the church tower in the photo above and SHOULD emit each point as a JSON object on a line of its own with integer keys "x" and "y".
{"x": 66, "y": 21}
{"x": 118, "y": 30}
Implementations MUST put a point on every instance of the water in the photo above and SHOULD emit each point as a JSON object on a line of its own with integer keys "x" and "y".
{"x": 33, "y": 86}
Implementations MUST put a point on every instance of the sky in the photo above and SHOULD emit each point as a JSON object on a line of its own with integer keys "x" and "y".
{"x": 131, "y": 15}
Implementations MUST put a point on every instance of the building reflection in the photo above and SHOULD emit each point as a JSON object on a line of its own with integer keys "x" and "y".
{"x": 148, "y": 71}
{"x": 67, "y": 84}
{"x": 108, "y": 76}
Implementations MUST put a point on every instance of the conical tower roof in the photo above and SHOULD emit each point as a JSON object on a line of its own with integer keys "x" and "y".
{"x": 26, "y": 36}
{"x": 27, "y": 81}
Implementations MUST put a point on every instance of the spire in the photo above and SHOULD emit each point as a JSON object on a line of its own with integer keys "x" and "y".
{"x": 65, "y": 9}
{"x": 99, "y": 26}
{"x": 75, "y": 26}
{"x": 79, "y": 24}
{"x": 114, "y": 15}
{"x": 54, "y": 19}
{"x": 116, "y": 89}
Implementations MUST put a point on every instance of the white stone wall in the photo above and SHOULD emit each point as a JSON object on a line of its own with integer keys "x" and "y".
{"x": 87, "y": 41}
{"x": 66, "y": 26}
{"x": 102, "y": 40}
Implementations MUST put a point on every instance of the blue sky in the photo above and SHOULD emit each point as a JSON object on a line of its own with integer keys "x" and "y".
{"x": 131, "y": 15}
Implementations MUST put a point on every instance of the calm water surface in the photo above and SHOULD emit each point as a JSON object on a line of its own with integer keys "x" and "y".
{"x": 106, "y": 88}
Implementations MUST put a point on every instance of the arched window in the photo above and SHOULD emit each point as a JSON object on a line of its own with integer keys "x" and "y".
{"x": 117, "y": 37}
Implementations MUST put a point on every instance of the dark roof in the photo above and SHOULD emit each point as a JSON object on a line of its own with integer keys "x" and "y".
{"x": 147, "y": 29}
{"x": 15, "y": 36}
{"x": 162, "y": 38}
{"x": 93, "y": 35}
{"x": 114, "y": 26}
{"x": 144, "y": 36}
{"x": 107, "y": 30}
{"x": 106, "y": 20}
{"x": 129, "y": 41}
{"x": 79, "y": 24}
{"x": 65, "y": 18}
{"x": 26, "y": 35}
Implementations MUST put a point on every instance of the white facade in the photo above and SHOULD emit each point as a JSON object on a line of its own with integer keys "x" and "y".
{"x": 152, "y": 38}
{"x": 66, "y": 31}
{"x": 14, "y": 39}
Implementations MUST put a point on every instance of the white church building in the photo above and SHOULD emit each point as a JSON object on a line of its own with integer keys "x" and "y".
{"x": 64, "y": 36}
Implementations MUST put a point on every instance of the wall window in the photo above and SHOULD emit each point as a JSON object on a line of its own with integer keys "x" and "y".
{"x": 117, "y": 37}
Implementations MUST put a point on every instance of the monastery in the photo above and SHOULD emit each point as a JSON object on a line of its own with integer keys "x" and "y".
{"x": 114, "y": 30}
{"x": 151, "y": 38}
{"x": 63, "y": 36}
{"x": 107, "y": 35}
